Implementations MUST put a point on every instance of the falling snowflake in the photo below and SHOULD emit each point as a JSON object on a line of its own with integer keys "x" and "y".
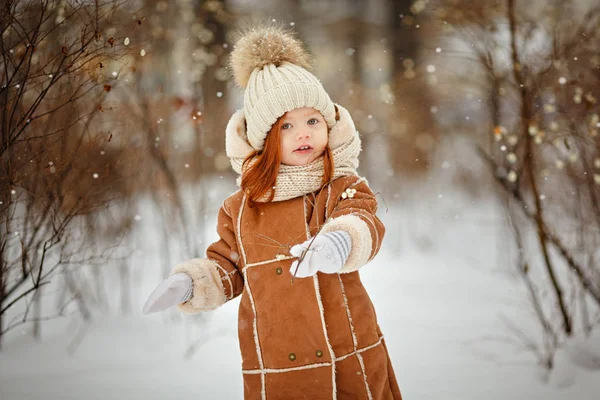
{"x": 573, "y": 157}
{"x": 138, "y": 217}
{"x": 126, "y": 41}
{"x": 533, "y": 130}
{"x": 142, "y": 52}
{"x": 95, "y": 176}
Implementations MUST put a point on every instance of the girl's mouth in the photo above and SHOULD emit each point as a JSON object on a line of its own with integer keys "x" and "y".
{"x": 304, "y": 149}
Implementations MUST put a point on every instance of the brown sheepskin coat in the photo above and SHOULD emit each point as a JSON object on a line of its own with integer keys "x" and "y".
{"x": 313, "y": 338}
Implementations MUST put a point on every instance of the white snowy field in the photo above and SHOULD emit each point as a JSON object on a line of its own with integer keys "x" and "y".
{"x": 441, "y": 285}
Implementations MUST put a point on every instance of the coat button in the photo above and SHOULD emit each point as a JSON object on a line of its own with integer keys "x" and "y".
{"x": 279, "y": 271}
{"x": 319, "y": 353}
{"x": 292, "y": 357}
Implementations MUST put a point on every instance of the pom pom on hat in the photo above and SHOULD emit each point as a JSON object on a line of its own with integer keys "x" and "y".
{"x": 263, "y": 46}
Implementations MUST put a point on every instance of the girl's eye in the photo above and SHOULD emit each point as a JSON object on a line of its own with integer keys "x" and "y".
{"x": 286, "y": 126}
{"x": 313, "y": 121}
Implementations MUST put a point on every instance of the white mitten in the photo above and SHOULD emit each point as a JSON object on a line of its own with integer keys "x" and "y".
{"x": 172, "y": 291}
{"x": 327, "y": 253}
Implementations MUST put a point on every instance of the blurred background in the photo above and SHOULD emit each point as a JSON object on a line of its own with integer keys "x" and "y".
{"x": 479, "y": 123}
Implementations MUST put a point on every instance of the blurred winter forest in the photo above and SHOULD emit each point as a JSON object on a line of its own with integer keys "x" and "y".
{"x": 108, "y": 107}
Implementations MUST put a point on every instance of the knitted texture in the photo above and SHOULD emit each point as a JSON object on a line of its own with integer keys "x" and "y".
{"x": 278, "y": 81}
{"x": 294, "y": 181}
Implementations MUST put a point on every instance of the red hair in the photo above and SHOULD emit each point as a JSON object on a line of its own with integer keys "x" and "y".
{"x": 261, "y": 177}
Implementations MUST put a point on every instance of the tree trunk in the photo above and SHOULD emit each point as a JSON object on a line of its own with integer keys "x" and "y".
{"x": 410, "y": 122}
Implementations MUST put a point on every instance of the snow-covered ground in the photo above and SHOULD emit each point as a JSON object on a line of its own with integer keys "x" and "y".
{"x": 440, "y": 286}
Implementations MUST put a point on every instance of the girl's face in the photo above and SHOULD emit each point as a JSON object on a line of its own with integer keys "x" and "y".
{"x": 304, "y": 136}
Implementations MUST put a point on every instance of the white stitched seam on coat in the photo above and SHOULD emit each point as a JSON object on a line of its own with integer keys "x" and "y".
{"x": 362, "y": 367}
{"x": 327, "y": 202}
{"x": 310, "y": 366}
{"x": 247, "y": 285}
{"x": 226, "y": 276}
{"x": 354, "y": 339}
{"x": 377, "y": 343}
{"x": 331, "y": 353}
{"x": 281, "y": 370}
{"x": 256, "y": 340}
{"x": 239, "y": 230}
{"x": 359, "y": 180}
{"x": 235, "y": 271}
{"x": 305, "y": 223}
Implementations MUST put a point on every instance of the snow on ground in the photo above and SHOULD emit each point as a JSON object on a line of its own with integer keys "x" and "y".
{"x": 439, "y": 285}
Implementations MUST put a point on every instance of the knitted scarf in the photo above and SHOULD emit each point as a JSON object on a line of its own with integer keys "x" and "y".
{"x": 294, "y": 181}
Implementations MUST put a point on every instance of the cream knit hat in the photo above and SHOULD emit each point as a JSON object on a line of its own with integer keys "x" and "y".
{"x": 271, "y": 65}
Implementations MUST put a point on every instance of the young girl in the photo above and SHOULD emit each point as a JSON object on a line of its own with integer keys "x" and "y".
{"x": 293, "y": 238}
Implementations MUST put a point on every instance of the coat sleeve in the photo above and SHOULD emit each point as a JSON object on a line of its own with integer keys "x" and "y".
{"x": 216, "y": 279}
{"x": 355, "y": 213}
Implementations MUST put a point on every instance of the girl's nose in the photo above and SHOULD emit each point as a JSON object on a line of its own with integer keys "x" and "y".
{"x": 303, "y": 135}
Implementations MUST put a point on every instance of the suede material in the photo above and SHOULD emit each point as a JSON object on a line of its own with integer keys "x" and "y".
{"x": 316, "y": 337}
